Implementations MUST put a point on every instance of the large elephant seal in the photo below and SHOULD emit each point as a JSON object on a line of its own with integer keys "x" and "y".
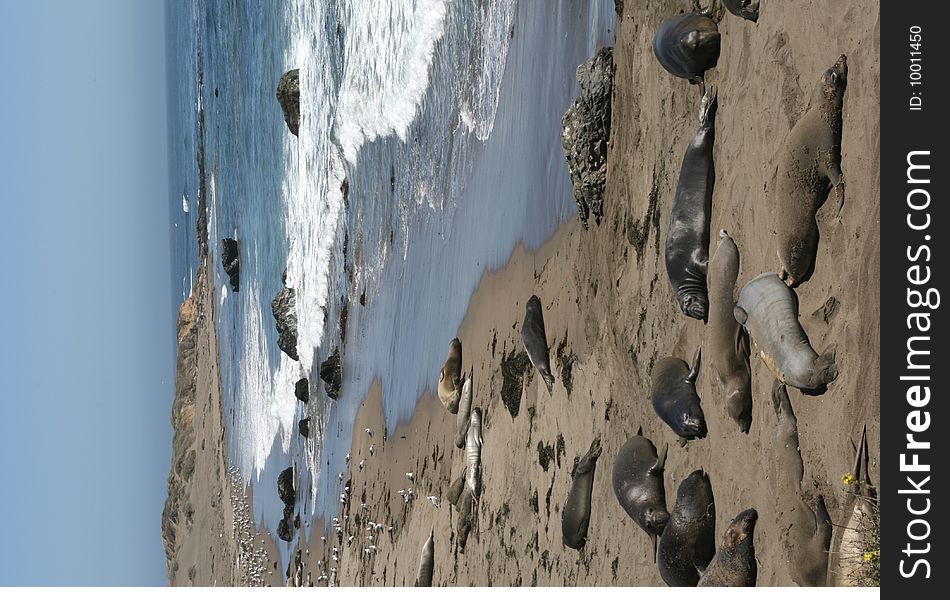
{"x": 450, "y": 377}
{"x": 859, "y": 519}
{"x": 687, "y": 237}
{"x": 575, "y": 517}
{"x": 535, "y": 341}
{"x": 734, "y": 564}
{"x": 806, "y": 533}
{"x": 426, "y": 563}
{"x": 747, "y": 9}
{"x": 638, "y": 484}
{"x": 465, "y": 410}
{"x": 808, "y": 168}
{"x": 466, "y": 519}
{"x": 687, "y": 45}
{"x": 675, "y": 399}
{"x": 728, "y": 342}
{"x": 689, "y": 541}
{"x": 455, "y": 488}
{"x": 768, "y": 309}
{"x": 473, "y": 453}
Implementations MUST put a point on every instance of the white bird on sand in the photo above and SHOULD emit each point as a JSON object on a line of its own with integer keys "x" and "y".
{"x": 369, "y": 432}
{"x": 349, "y": 540}
{"x": 340, "y": 476}
{"x": 411, "y": 476}
{"x": 362, "y": 462}
{"x": 433, "y": 499}
{"x": 372, "y": 449}
{"x": 347, "y": 457}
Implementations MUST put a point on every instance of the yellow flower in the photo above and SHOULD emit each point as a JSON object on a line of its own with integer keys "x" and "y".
{"x": 869, "y": 556}
{"x": 847, "y": 479}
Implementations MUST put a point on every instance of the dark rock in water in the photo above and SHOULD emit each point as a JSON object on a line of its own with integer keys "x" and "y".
{"x": 302, "y": 390}
{"x": 285, "y": 530}
{"x": 585, "y": 134}
{"x": 345, "y": 188}
{"x": 513, "y": 370}
{"x": 331, "y": 372}
{"x": 304, "y": 427}
{"x": 231, "y": 261}
{"x": 284, "y": 307}
{"x": 285, "y": 487}
{"x": 288, "y": 94}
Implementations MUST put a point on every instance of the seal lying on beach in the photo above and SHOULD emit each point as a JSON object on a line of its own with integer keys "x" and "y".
{"x": 728, "y": 342}
{"x": 426, "y": 563}
{"x": 473, "y": 453}
{"x": 675, "y": 399}
{"x": 734, "y": 564}
{"x": 687, "y": 45}
{"x": 575, "y": 518}
{"x": 535, "y": 341}
{"x": 465, "y": 410}
{"x": 806, "y": 532}
{"x": 450, "y": 376}
{"x": 687, "y": 237}
{"x": 466, "y": 517}
{"x": 768, "y": 309}
{"x": 846, "y": 562}
{"x": 809, "y": 167}
{"x": 689, "y": 541}
{"x": 747, "y": 9}
{"x": 638, "y": 484}
{"x": 455, "y": 489}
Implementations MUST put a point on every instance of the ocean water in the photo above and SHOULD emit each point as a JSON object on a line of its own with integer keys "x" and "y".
{"x": 444, "y": 119}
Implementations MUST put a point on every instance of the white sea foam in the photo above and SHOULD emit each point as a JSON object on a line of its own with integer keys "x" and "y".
{"x": 184, "y": 202}
{"x": 224, "y": 294}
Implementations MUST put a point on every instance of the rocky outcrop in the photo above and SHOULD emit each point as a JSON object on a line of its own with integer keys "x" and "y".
{"x": 285, "y": 487}
{"x": 585, "y": 134}
{"x": 302, "y": 390}
{"x": 331, "y": 372}
{"x": 231, "y": 261}
{"x": 303, "y": 426}
{"x": 288, "y": 95}
{"x": 285, "y": 529}
{"x": 284, "y": 307}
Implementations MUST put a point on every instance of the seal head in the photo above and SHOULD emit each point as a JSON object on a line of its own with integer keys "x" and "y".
{"x": 747, "y": 9}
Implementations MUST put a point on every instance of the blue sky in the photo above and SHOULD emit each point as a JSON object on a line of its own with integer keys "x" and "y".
{"x": 87, "y": 358}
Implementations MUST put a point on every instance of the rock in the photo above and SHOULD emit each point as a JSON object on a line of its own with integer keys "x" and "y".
{"x": 331, "y": 372}
{"x": 284, "y": 307}
{"x": 585, "y": 134}
{"x": 303, "y": 426}
{"x": 231, "y": 261}
{"x": 514, "y": 368}
{"x": 302, "y": 390}
{"x": 288, "y": 95}
{"x": 285, "y": 529}
{"x": 285, "y": 487}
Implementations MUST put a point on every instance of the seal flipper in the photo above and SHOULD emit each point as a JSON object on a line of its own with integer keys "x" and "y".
{"x": 823, "y": 528}
{"x": 826, "y": 370}
{"x": 740, "y": 314}
{"x": 660, "y": 464}
{"x": 694, "y": 372}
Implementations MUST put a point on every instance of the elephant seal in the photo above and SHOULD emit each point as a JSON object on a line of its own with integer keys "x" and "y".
{"x": 747, "y": 9}
{"x": 426, "y": 563}
{"x": 535, "y": 341}
{"x": 575, "y": 518}
{"x": 450, "y": 376}
{"x": 687, "y": 237}
{"x": 859, "y": 518}
{"x": 455, "y": 489}
{"x": 675, "y": 399}
{"x": 728, "y": 341}
{"x": 466, "y": 517}
{"x": 638, "y": 484}
{"x": 808, "y": 168}
{"x": 473, "y": 453}
{"x": 806, "y": 533}
{"x": 768, "y": 310}
{"x": 687, "y": 45}
{"x": 465, "y": 410}
{"x": 734, "y": 564}
{"x": 689, "y": 541}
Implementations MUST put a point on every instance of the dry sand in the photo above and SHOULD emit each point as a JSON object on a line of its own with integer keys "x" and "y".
{"x": 605, "y": 291}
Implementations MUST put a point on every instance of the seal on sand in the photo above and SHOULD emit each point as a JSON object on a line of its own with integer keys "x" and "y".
{"x": 450, "y": 376}
{"x": 687, "y": 237}
{"x": 747, "y": 9}
{"x": 689, "y": 541}
{"x": 728, "y": 342}
{"x": 465, "y": 410}
{"x": 575, "y": 518}
{"x": 687, "y": 45}
{"x": 768, "y": 309}
{"x": 535, "y": 341}
{"x": 675, "y": 399}
{"x": 466, "y": 517}
{"x": 473, "y": 453}
{"x": 734, "y": 564}
{"x": 808, "y": 168}
{"x": 426, "y": 563}
{"x": 638, "y": 484}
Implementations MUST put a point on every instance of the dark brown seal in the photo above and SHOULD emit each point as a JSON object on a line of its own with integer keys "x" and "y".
{"x": 689, "y": 541}
{"x": 734, "y": 564}
{"x": 535, "y": 341}
{"x": 687, "y": 45}
{"x": 638, "y": 484}
{"x": 675, "y": 399}
{"x": 575, "y": 518}
{"x": 747, "y": 9}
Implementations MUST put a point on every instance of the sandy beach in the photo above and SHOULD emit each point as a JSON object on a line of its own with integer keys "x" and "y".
{"x": 610, "y": 314}
{"x": 609, "y": 310}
